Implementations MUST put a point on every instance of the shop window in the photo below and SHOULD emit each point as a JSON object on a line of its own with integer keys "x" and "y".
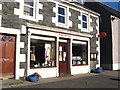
{"x": 61, "y": 15}
{"x": 84, "y": 21}
{"x": 42, "y": 53}
{"x": 28, "y": 7}
{"x": 79, "y": 53}
{"x": 93, "y": 56}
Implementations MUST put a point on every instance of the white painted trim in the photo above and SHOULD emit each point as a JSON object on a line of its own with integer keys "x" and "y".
{"x": 58, "y": 30}
{"x": 66, "y": 8}
{"x": 0, "y": 6}
{"x": 28, "y": 57}
{"x": 23, "y": 29}
{"x": 21, "y": 44}
{"x": 116, "y": 66}
{"x": 98, "y": 43}
{"x": 17, "y": 33}
{"x": 22, "y": 57}
{"x": 61, "y": 40}
{"x": 0, "y": 20}
{"x": 78, "y": 7}
{"x": 85, "y": 29}
{"x": 0, "y": 15}
{"x": 42, "y": 38}
{"x": 78, "y": 42}
{"x": 36, "y": 16}
{"x": 57, "y": 58}
{"x": 48, "y": 33}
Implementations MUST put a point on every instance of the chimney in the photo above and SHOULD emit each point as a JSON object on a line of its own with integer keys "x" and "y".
{"x": 82, "y": 2}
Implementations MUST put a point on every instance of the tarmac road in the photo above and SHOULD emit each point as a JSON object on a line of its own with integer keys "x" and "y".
{"x": 108, "y": 79}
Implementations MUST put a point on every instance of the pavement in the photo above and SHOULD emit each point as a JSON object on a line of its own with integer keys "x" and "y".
{"x": 110, "y": 78}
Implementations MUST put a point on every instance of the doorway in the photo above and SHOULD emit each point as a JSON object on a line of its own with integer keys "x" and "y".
{"x": 64, "y": 58}
{"x": 7, "y": 55}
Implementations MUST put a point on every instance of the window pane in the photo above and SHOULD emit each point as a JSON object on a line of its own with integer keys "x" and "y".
{"x": 84, "y": 18}
{"x": 2, "y": 39}
{"x": 79, "y": 54}
{"x": 29, "y": 2}
{"x": 42, "y": 53}
{"x": 10, "y": 39}
{"x": 28, "y": 11}
{"x": 84, "y": 25}
{"x": 61, "y": 19}
{"x": 61, "y": 11}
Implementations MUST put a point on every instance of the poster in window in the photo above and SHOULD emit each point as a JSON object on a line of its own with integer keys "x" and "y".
{"x": 60, "y": 53}
{"x": 47, "y": 53}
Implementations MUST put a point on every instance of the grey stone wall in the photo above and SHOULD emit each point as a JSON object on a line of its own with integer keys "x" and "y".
{"x": 10, "y": 20}
{"x": 93, "y": 40}
{"x": 75, "y": 20}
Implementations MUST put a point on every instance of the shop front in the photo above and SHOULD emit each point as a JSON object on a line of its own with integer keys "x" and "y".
{"x": 53, "y": 54}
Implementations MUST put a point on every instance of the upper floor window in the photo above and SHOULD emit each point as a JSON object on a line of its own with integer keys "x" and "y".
{"x": 61, "y": 15}
{"x": 84, "y": 21}
{"x": 29, "y": 7}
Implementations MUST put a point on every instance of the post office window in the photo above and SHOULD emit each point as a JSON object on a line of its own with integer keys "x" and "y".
{"x": 79, "y": 53}
{"x": 42, "y": 53}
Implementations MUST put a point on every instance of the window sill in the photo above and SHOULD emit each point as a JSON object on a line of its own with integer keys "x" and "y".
{"x": 41, "y": 67}
{"x": 28, "y": 18}
{"x": 62, "y": 25}
{"x": 85, "y": 30}
{"x": 80, "y": 65}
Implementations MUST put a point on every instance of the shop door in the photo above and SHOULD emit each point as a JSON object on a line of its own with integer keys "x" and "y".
{"x": 63, "y": 59}
{"x": 7, "y": 54}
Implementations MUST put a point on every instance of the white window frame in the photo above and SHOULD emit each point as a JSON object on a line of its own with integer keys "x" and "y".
{"x": 22, "y": 15}
{"x": 85, "y": 29}
{"x": 62, "y": 15}
{"x": 31, "y": 7}
{"x": 66, "y": 8}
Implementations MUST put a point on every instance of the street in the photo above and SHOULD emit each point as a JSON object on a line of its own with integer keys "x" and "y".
{"x": 102, "y": 80}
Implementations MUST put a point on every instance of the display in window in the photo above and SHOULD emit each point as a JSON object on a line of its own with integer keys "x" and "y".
{"x": 60, "y": 53}
{"x": 42, "y": 53}
{"x": 79, "y": 53}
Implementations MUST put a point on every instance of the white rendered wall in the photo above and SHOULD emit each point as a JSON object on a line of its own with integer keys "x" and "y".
{"x": 115, "y": 42}
{"x": 79, "y": 69}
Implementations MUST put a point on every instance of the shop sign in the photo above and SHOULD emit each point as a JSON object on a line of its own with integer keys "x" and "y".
{"x": 64, "y": 35}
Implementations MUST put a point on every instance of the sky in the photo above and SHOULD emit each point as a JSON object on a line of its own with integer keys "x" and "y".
{"x": 115, "y": 4}
{"x": 112, "y": 3}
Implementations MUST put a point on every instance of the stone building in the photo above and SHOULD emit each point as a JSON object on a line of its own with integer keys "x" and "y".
{"x": 53, "y": 38}
{"x": 109, "y": 46}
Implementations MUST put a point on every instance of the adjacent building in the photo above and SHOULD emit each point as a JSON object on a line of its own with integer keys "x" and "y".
{"x": 109, "y": 23}
{"x": 53, "y": 38}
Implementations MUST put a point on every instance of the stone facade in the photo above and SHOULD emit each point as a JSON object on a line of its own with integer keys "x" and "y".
{"x": 10, "y": 20}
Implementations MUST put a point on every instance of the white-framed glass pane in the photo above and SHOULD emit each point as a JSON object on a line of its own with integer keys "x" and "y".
{"x": 61, "y": 19}
{"x": 84, "y": 24}
{"x": 28, "y": 11}
{"x": 29, "y": 2}
{"x": 84, "y": 18}
{"x": 61, "y": 11}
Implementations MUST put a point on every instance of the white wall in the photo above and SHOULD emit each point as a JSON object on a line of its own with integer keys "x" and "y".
{"x": 115, "y": 42}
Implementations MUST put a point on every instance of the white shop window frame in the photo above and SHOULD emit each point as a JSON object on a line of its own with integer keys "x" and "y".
{"x": 41, "y": 38}
{"x": 35, "y": 12}
{"x": 66, "y": 8}
{"x": 87, "y": 16}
